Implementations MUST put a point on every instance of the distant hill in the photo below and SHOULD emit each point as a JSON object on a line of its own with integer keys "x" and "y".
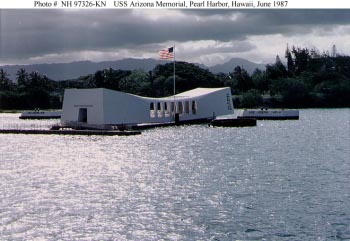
{"x": 73, "y": 70}
{"x": 234, "y": 62}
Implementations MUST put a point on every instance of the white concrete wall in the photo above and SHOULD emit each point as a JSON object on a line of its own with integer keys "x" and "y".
{"x": 122, "y": 108}
{"x": 91, "y": 99}
{"x": 112, "y": 107}
{"x": 207, "y": 104}
{"x": 215, "y": 102}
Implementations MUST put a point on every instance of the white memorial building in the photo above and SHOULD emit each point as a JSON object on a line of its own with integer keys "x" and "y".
{"x": 108, "y": 107}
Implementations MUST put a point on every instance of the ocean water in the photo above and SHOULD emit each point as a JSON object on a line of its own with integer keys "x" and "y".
{"x": 280, "y": 180}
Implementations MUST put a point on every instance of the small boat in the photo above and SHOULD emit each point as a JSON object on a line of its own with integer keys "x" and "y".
{"x": 39, "y": 114}
{"x": 274, "y": 114}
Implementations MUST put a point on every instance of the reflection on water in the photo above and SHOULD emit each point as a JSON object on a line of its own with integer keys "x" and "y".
{"x": 281, "y": 180}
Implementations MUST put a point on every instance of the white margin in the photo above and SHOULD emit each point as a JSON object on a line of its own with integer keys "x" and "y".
{"x": 174, "y": 4}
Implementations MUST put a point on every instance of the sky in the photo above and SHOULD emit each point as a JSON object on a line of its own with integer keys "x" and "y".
{"x": 209, "y": 36}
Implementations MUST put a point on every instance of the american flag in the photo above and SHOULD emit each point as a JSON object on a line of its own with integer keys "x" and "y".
{"x": 166, "y": 53}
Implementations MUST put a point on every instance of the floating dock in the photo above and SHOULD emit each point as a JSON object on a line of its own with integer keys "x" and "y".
{"x": 227, "y": 122}
{"x": 71, "y": 132}
{"x": 168, "y": 124}
{"x": 37, "y": 114}
{"x": 273, "y": 114}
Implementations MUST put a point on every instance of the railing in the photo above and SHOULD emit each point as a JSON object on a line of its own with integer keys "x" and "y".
{"x": 11, "y": 126}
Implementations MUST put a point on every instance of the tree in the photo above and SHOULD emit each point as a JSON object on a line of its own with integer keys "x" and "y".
{"x": 188, "y": 76}
{"x": 5, "y": 82}
{"x": 244, "y": 81}
{"x": 290, "y": 62}
{"x": 34, "y": 79}
{"x": 38, "y": 81}
{"x": 135, "y": 83}
{"x": 293, "y": 91}
{"x": 314, "y": 53}
{"x": 251, "y": 98}
{"x": 301, "y": 59}
{"x": 46, "y": 83}
{"x": 259, "y": 80}
{"x": 97, "y": 79}
{"x": 227, "y": 80}
{"x": 22, "y": 79}
{"x": 277, "y": 70}
{"x": 107, "y": 78}
{"x": 38, "y": 98}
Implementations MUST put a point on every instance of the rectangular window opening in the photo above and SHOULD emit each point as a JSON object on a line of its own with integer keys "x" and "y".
{"x": 151, "y": 110}
{"x": 159, "y": 109}
{"x": 181, "y": 108}
{"x": 194, "y": 107}
{"x": 187, "y": 107}
{"x": 166, "y": 109}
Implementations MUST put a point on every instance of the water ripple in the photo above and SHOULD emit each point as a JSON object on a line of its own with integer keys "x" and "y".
{"x": 281, "y": 180}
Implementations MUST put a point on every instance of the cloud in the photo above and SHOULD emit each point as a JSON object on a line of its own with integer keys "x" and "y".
{"x": 28, "y": 36}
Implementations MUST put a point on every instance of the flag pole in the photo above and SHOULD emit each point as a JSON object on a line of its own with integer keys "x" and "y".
{"x": 174, "y": 83}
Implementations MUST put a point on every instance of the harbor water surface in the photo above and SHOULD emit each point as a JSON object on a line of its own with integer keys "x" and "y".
{"x": 280, "y": 180}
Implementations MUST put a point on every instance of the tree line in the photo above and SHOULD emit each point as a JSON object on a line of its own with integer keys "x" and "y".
{"x": 308, "y": 79}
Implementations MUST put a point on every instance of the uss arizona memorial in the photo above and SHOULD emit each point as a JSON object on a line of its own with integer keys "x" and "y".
{"x": 107, "y": 107}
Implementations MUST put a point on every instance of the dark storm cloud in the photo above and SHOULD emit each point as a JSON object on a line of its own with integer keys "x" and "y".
{"x": 284, "y": 17}
{"x": 32, "y": 33}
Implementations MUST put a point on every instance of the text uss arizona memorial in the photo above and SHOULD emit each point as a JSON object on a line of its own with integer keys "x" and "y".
{"x": 181, "y": 4}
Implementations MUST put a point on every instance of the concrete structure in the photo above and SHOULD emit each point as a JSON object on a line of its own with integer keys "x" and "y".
{"x": 108, "y": 107}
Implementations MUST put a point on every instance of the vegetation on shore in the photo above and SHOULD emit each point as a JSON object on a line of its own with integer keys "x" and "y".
{"x": 309, "y": 79}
